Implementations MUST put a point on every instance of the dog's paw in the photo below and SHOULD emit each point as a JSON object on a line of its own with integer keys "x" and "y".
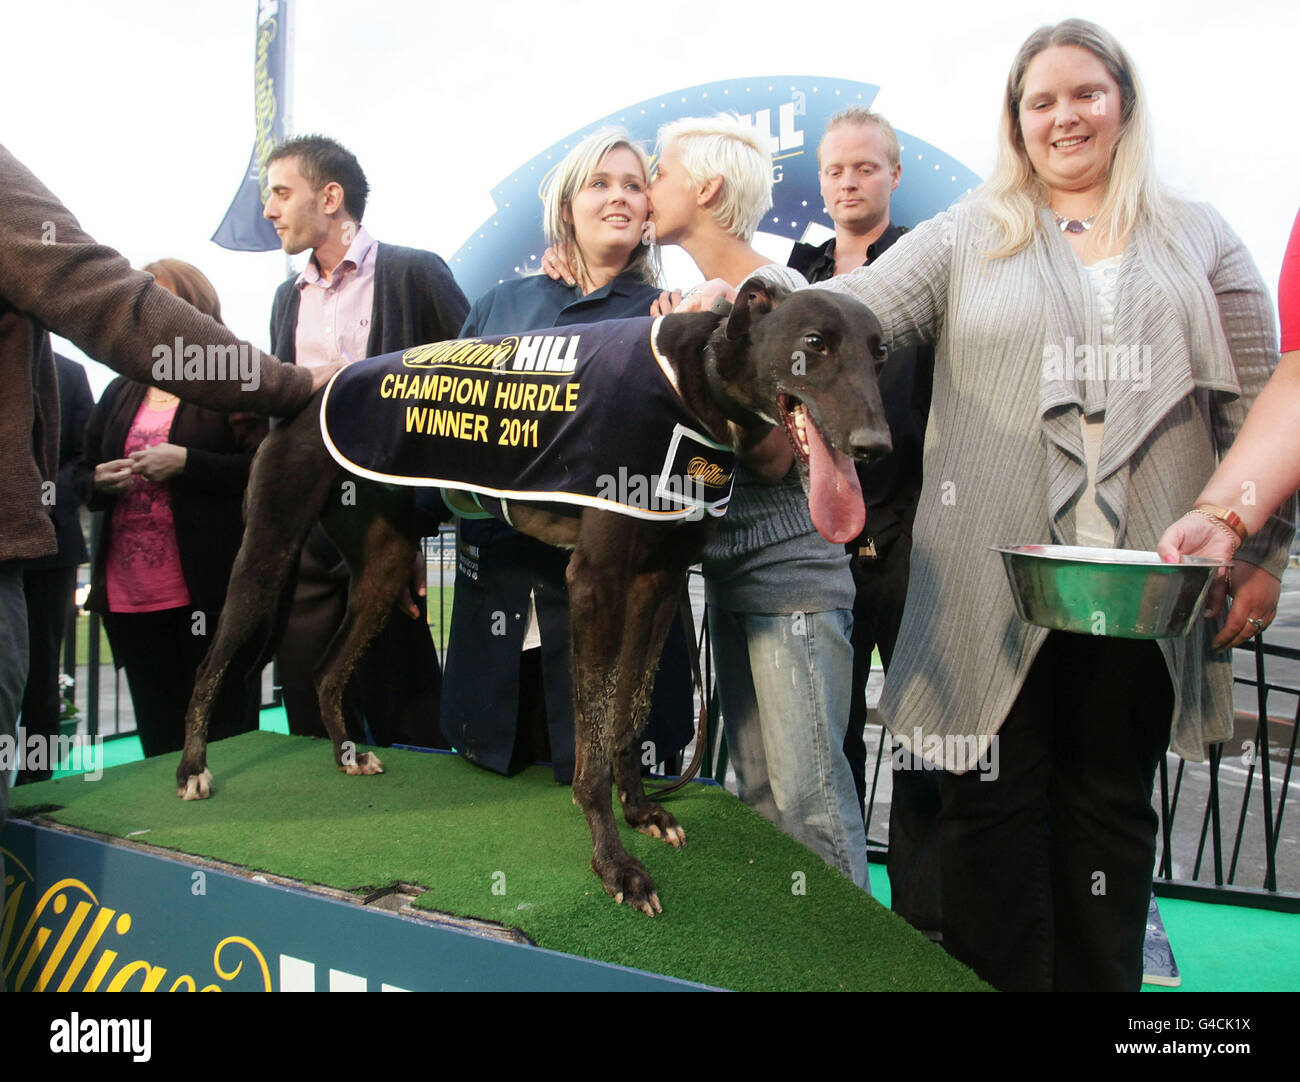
{"x": 364, "y": 764}
{"x": 626, "y": 881}
{"x": 197, "y": 786}
{"x": 653, "y": 820}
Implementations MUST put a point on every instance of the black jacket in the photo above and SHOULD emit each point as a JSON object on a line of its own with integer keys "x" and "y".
{"x": 891, "y": 486}
{"x": 416, "y": 301}
{"x": 207, "y": 498}
{"x": 75, "y": 404}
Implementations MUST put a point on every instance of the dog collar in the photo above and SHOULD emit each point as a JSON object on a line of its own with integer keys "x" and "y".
{"x": 731, "y": 409}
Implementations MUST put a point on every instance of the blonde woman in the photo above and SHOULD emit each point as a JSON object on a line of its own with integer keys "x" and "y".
{"x": 1097, "y": 345}
{"x": 507, "y": 687}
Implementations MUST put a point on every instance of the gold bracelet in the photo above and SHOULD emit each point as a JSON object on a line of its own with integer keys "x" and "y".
{"x": 1226, "y": 520}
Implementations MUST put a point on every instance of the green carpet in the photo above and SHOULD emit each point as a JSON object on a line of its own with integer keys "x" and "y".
{"x": 1231, "y": 948}
{"x": 744, "y": 906}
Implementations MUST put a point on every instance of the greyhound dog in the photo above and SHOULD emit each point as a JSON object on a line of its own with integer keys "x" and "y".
{"x": 808, "y": 363}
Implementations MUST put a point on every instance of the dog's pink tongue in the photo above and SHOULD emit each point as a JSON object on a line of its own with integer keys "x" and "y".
{"x": 834, "y": 495}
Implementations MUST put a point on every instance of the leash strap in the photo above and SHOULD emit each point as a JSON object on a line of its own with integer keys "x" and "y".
{"x": 702, "y": 723}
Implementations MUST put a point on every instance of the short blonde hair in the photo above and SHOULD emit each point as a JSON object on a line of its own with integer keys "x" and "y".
{"x": 862, "y": 117}
{"x": 567, "y": 180}
{"x": 724, "y": 146}
{"x": 1014, "y": 193}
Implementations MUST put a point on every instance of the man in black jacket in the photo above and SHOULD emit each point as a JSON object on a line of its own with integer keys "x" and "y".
{"x": 355, "y": 298}
{"x": 49, "y": 582}
{"x": 859, "y": 169}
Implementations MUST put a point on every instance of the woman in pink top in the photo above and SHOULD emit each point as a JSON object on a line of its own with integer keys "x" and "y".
{"x": 1260, "y": 470}
{"x": 170, "y": 479}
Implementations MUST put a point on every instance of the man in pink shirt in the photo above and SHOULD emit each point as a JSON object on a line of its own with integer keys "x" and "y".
{"x": 355, "y": 298}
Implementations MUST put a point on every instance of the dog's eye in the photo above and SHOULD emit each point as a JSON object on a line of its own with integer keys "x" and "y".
{"x": 815, "y": 341}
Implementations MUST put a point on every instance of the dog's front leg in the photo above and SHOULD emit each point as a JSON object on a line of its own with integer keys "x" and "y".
{"x": 597, "y": 602}
{"x": 287, "y": 486}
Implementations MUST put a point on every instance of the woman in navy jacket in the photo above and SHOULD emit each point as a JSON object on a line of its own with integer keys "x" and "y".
{"x": 496, "y": 689}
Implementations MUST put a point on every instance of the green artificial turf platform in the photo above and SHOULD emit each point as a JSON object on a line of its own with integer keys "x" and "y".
{"x": 744, "y": 906}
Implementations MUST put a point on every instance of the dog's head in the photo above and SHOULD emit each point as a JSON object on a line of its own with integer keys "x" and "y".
{"x": 808, "y": 362}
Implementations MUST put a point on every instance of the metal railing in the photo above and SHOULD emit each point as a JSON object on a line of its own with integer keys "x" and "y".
{"x": 1224, "y": 837}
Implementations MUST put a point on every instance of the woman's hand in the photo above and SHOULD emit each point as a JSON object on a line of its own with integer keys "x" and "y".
{"x": 161, "y": 462}
{"x": 668, "y": 302}
{"x": 700, "y": 299}
{"x": 114, "y": 477}
{"x": 1254, "y": 591}
{"x": 1254, "y": 604}
{"x": 417, "y": 586}
{"x": 556, "y": 264}
{"x": 1196, "y": 535}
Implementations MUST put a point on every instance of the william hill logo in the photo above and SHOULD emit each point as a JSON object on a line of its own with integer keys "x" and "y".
{"x": 71, "y": 942}
{"x": 556, "y": 353}
{"x": 707, "y": 473}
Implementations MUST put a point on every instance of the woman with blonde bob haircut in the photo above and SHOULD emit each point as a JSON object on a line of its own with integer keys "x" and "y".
{"x": 507, "y": 698}
{"x": 1097, "y": 344}
{"x": 730, "y": 156}
{"x": 573, "y": 174}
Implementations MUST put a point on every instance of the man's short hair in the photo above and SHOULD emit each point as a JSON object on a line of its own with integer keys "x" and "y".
{"x": 321, "y": 161}
{"x": 857, "y": 114}
{"x": 724, "y": 146}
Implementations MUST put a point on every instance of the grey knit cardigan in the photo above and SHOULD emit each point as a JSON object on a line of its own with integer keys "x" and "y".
{"x": 1004, "y": 454}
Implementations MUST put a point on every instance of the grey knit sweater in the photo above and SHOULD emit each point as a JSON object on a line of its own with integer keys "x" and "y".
{"x": 1003, "y": 452}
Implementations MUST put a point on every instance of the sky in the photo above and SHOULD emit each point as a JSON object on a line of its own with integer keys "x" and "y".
{"x": 139, "y": 116}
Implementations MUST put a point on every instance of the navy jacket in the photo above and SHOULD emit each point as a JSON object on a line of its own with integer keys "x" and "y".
{"x": 496, "y": 568}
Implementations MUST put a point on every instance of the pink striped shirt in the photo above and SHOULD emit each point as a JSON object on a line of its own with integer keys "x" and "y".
{"x": 334, "y": 316}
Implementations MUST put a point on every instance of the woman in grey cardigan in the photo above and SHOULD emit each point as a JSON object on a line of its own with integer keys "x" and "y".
{"x": 1097, "y": 345}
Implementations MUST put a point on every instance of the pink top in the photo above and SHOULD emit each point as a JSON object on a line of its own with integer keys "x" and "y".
{"x": 334, "y": 316}
{"x": 1288, "y": 292}
{"x": 144, "y": 564}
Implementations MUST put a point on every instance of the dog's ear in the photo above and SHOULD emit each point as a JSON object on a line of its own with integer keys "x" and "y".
{"x": 755, "y": 298}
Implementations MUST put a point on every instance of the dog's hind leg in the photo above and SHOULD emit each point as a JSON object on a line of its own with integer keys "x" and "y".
{"x": 651, "y": 602}
{"x": 380, "y": 556}
{"x": 291, "y": 478}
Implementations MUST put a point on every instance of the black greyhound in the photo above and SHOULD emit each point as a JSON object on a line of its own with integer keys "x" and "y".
{"x": 808, "y": 363}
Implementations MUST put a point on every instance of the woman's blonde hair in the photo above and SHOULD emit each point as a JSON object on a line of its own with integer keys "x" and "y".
{"x": 725, "y": 146}
{"x": 567, "y": 180}
{"x": 1014, "y": 193}
{"x": 187, "y": 282}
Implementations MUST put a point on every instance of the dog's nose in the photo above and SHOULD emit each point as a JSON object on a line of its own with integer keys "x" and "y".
{"x": 869, "y": 443}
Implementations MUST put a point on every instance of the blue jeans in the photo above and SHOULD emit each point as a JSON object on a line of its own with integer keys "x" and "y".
{"x": 784, "y": 681}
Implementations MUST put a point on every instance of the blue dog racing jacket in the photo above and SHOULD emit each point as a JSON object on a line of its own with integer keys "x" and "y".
{"x": 586, "y": 415}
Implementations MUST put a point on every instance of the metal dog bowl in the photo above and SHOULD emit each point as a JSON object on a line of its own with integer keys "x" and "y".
{"x": 1121, "y": 593}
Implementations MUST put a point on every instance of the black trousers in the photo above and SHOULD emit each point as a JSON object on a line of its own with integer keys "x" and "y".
{"x": 1047, "y": 867}
{"x": 396, "y": 686}
{"x": 161, "y": 654}
{"x": 881, "y": 592}
{"x": 49, "y": 601}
